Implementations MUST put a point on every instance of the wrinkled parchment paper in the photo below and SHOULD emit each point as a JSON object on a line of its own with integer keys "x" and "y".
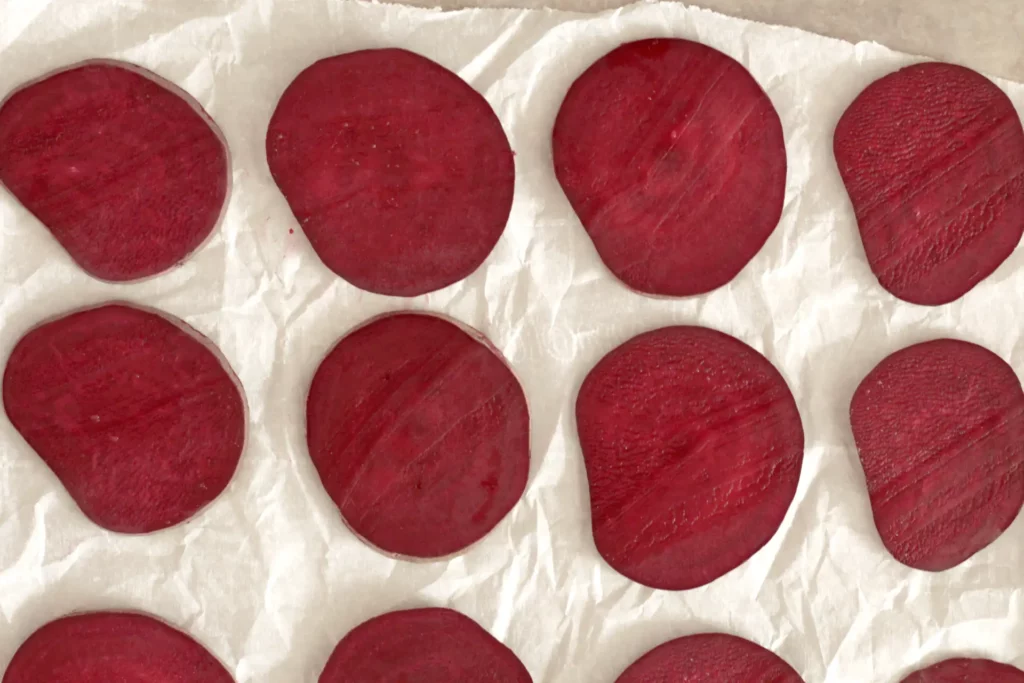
{"x": 268, "y": 577}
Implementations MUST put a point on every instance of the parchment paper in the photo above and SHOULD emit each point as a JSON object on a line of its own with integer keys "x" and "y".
{"x": 268, "y": 577}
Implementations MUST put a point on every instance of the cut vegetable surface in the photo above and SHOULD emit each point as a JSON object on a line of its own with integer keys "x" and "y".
{"x": 398, "y": 171}
{"x": 939, "y": 427}
{"x": 709, "y": 658}
{"x": 134, "y": 412}
{"x": 967, "y": 671}
{"x": 693, "y": 445}
{"x": 674, "y": 160}
{"x": 933, "y": 160}
{"x": 127, "y": 172}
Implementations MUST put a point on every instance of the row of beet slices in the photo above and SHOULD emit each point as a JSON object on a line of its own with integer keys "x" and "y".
{"x": 402, "y": 179}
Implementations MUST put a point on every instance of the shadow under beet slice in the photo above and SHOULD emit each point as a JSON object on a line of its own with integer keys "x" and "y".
{"x": 135, "y": 413}
{"x": 398, "y": 172}
{"x": 420, "y": 434}
{"x": 709, "y": 658}
{"x": 967, "y": 671}
{"x": 423, "y": 645}
{"x": 933, "y": 160}
{"x": 693, "y": 445}
{"x": 939, "y": 427}
{"x": 126, "y": 171}
{"x": 104, "y": 647}
{"x": 674, "y": 160}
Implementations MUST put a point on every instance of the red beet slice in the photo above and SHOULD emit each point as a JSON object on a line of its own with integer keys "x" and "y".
{"x": 420, "y": 433}
{"x": 693, "y": 446}
{"x": 127, "y": 171}
{"x": 933, "y": 160}
{"x": 423, "y": 645}
{"x": 134, "y": 412}
{"x": 398, "y": 172}
{"x": 674, "y": 160}
{"x": 104, "y": 647}
{"x": 709, "y": 658}
{"x": 967, "y": 671}
{"x": 940, "y": 431}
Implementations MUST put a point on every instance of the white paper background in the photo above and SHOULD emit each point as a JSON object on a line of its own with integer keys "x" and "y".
{"x": 269, "y": 579}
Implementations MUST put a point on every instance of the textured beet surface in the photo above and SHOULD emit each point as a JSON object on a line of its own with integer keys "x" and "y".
{"x": 398, "y": 172}
{"x": 693, "y": 445}
{"x": 940, "y": 431}
{"x": 129, "y": 175}
{"x": 709, "y": 658}
{"x": 967, "y": 671}
{"x": 425, "y": 646}
{"x": 674, "y": 160}
{"x": 112, "y": 647}
{"x": 933, "y": 159}
{"x": 420, "y": 434}
{"x": 136, "y": 416}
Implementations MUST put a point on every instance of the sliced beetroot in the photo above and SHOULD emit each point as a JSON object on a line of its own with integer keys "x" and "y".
{"x": 693, "y": 445}
{"x": 423, "y": 645}
{"x": 967, "y": 671}
{"x": 933, "y": 160}
{"x": 674, "y": 160}
{"x": 134, "y": 412}
{"x": 939, "y": 427}
{"x": 709, "y": 658}
{"x": 127, "y": 172}
{"x": 398, "y": 172}
{"x": 420, "y": 434}
{"x": 104, "y": 647}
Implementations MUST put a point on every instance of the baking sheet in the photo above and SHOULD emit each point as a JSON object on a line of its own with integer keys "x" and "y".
{"x": 268, "y": 577}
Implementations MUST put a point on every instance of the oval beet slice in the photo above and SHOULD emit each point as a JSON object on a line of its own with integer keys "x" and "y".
{"x": 679, "y": 178}
{"x": 127, "y": 172}
{"x": 939, "y": 427}
{"x": 693, "y": 445}
{"x": 430, "y": 645}
{"x": 967, "y": 671}
{"x": 933, "y": 160}
{"x": 709, "y": 658}
{"x": 420, "y": 434}
{"x": 104, "y": 647}
{"x": 135, "y": 413}
{"x": 398, "y": 172}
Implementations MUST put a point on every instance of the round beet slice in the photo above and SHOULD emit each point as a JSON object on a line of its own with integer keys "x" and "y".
{"x": 135, "y": 413}
{"x": 398, "y": 172}
{"x": 104, "y": 647}
{"x": 674, "y": 160}
{"x": 420, "y": 434}
{"x": 939, "y": 427}
{"x": 709, "y": 658}
{"x": 693, "y": 445}
{"x": 933, "y": 160}
{"x": 126, "y": 171}
{"x": 424, "y": 645}
{"x": 967, "y": 671}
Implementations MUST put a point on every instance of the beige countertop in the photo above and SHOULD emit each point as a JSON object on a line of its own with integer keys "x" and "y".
{"x": 987, "y": 35}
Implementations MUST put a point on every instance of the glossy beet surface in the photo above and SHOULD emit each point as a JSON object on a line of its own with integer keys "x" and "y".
{"x": 709, "y": 658}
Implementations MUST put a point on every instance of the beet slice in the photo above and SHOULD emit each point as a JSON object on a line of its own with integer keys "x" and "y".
{"x": 135, "y": 413}
{"x": 693, "y": 445}
{"x": 398, "y": 172}
{"x": 430, "y": 645}
{"x": 709, "y": 658}
{"x": 967, "y": 671}
{"x": 939, "y": 427}
{"x": 126, "y": 171}
{"x": 933, "y": 160}
{"x": 103, "y": 647}
{"x": 674, "y": 160}
{"x": 420, "y": 433}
